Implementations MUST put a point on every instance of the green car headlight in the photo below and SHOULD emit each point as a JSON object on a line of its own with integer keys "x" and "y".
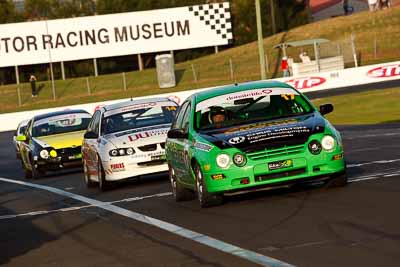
{"x": 315, "y": 147}
{"x": 239, "y": 159}
{"x": 328, "y": 143}
{"x": 223, "y": 160}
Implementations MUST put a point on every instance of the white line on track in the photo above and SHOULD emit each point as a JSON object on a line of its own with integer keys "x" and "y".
{"x": 183, "y": 232}
{"x": 372, "y": 162}
{"x": 42, "y": 212}
{"x": 374, "y": 176}
{"x": 368, "y": 135}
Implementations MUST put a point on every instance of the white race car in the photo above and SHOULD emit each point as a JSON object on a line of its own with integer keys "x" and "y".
{"x": 126, "y": 140}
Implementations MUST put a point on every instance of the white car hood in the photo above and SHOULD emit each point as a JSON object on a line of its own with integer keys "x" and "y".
{"x": 139, "y": 137}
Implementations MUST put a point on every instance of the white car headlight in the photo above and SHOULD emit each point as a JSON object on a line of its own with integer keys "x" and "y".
{"x": 44, "y": 154}
{"x": 130, "y": 151}
{"x": 328, "y": 143}
{"x": 223, "y": 160}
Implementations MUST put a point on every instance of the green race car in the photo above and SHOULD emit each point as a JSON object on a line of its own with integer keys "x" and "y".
{"x": 251, "y": 136}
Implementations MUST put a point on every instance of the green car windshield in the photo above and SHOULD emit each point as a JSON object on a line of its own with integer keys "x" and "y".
{"x": 61, "y": 124}
{"x": 250, "y": 106}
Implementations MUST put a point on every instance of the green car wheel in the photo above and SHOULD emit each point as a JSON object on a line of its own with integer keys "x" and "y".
{"x": 180, "y": 193}
{"x": 206, "y": 199}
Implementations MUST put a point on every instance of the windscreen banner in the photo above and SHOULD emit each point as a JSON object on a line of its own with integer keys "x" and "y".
{"x": 115, "y": 34}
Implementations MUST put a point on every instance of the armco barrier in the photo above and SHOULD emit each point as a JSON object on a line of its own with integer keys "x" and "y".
{"x": 315, "y": 82}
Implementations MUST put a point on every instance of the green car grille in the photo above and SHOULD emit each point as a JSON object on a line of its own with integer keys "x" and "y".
{"x": 274, "y": 153}
{"x": 260, "y": 178}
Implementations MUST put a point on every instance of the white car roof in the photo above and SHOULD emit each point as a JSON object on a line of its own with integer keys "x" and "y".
{"x": 135, "y": 102}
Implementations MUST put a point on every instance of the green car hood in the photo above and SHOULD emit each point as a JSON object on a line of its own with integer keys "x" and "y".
{"x": 267, "y": 134}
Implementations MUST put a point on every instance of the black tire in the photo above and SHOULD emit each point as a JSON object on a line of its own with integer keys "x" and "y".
{"x": 338, "y": 180}
{"x": 205, "y": 198}
{"x": 36, "y": 173}
{"x": 180, "y": 193}
{"x": 33, "y": 173}
{"x": 27, "y": 172}
{"x": 89, "y": 183}
{"x": 104, "y": 185}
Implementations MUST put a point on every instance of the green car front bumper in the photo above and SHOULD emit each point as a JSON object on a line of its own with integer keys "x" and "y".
{"x": 303, "y": 166}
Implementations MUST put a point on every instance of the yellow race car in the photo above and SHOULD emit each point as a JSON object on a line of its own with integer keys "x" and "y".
{"x": 53, "y": 141}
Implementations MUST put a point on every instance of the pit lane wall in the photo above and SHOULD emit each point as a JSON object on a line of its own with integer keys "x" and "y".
{"x": 317, "y": 82}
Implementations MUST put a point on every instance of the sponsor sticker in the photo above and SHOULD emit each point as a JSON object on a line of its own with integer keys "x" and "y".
{"x": 260, "y": 125}
{"x": 203, "y": 146}
{"x": 139, "y": 106}
{"x": 282, "y": 164}
{"x": 117, "y": 167}
{"x": 147, "y": 134}
{"x": 237, "y": 140}
{"x": 64, "y": 120}
{"x": 306, "y": 82}
{"x": 77, "y": 156}
{"x": 156, "y": 127}
{"x": 276, "y": 133}
{"x": 254, "y": 93}
{"x": 159, "y": 157}
{"x": 385, "y": 71}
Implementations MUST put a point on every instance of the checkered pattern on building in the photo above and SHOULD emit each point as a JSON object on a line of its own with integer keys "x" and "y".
{"x": 217, "y": 16}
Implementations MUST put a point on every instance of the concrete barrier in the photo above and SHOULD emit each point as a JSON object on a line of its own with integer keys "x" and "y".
{"x": 315, "y": 82}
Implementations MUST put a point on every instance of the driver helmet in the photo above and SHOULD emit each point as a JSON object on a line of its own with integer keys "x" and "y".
{"x": 216, "y": 110}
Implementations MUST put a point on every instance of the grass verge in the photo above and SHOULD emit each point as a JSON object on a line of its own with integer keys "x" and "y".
{"x": 371, "y": 107}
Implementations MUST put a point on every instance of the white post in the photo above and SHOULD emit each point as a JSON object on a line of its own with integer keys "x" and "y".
{"x": 231, "y": 68}
{"x": 316, "y": 53}
{"x": 194, "y": 73}
{"x": 53, "y": 86}
{"x": 140, "y": 60}
{"x": 62, "y": 70}
{"x": 266, "y": 62}
{"x": 18, "y": 89}
{"x": 96, "y": 73}
{"x": 260, "y": 40}
{"x": 353, "y": 48}
{"x": 216, "y": 49}
{"x": 88, "y": 85}
{"x": 51, "y": 68}
{"x": 124, "y": 80}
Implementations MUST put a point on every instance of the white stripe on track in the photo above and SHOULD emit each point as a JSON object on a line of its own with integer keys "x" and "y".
{"x": 372, "y": 162}
{"x": 42, "y": 212}
{"x": 183, "y": 232}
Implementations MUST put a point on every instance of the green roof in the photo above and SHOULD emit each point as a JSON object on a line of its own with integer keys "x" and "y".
{"x": 232, "y": 88}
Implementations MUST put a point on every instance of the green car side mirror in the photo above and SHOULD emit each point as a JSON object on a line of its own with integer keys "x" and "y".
{"x": 21, "y": 138}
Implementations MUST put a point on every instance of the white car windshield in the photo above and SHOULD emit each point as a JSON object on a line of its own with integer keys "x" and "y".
{"x": 138, "y": 118}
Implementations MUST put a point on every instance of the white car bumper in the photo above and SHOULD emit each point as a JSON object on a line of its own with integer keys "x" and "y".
{"x": 127, "y": 167}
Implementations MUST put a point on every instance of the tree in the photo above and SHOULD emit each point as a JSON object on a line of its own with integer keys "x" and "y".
{"x": 7, "y": 12}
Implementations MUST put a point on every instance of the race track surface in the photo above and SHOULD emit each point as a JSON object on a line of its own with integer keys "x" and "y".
{"x": 357, "y": 225}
